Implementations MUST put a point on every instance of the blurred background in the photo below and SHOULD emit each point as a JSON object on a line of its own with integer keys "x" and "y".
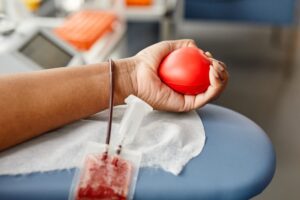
{"x": 257, "y": 39}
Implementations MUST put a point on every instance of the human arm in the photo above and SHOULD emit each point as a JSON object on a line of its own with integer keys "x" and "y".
{"x": 36, "y": 102}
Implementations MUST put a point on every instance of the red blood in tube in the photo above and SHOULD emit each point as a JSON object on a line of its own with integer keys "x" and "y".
{"x": 104, "y": 178}
{"x": 186, "y": 70}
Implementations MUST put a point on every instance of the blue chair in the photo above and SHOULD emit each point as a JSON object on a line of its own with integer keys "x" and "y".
{"x": 237, "y": 162}
{"x": 270, "y": 12}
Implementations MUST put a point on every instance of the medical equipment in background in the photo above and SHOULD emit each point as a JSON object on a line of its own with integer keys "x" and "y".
{"x": 138, "y": 2}
{"x": 148, "y": 11}
{"x": 83, "y": 28}
{"x": 94, "y": 33}
{"x": 6, "y": 26}
{"x": 38, "y": 33}
{"x": 35, "y": 49}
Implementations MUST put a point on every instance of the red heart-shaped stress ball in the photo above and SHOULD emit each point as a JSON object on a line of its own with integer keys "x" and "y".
{"x": 186, "y": 70}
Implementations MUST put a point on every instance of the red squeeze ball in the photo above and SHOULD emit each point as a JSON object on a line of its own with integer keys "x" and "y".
{"x": 186, "y": 71}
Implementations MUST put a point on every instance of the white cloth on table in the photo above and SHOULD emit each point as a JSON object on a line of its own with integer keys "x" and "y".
{"x": 166, "y": 140}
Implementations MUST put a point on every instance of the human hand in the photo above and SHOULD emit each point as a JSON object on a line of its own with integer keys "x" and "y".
{"x": 148, "y": 86}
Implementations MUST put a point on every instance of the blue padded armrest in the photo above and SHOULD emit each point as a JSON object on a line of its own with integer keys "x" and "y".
{"x": 237, "y": 162}
{"x": 276, "y": 12}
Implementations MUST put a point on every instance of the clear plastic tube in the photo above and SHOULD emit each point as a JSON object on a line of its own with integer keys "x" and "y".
{"x": 132, "y": 119}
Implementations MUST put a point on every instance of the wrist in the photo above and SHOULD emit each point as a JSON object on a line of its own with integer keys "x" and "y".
{"x": 125, "y": 79}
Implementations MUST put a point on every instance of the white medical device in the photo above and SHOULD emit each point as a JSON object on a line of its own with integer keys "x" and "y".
{"x": 35, "y": 49}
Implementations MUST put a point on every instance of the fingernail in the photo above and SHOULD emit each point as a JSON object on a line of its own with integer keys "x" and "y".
{"x": 223, "y": 64}
{"x": 208, "y": 54}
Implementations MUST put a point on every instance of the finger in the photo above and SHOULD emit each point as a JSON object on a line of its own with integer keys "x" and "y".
{"x": 160, "y": 50}
{"x": 214, "y": 78}
{"x": 186, "y": 43}
{"x": 214, "y": 72}
{"x": 225, "y": 76}
{"x": 222, "y": 64}
{"x": 212, "y": 92}
{"x": 219, "y": 69}
{"x": 217, "y": 66}
{"x": 218, "y": 81}
{"x": 219, "y": 62}
{"x": 177, "y": 44}
{"x": 208, "y": 54}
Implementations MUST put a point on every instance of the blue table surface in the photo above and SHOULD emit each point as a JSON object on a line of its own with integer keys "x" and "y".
{"x": 237, "y": 162}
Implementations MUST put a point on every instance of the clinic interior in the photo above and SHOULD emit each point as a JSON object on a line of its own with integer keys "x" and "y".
{"x": 257, "y": 39}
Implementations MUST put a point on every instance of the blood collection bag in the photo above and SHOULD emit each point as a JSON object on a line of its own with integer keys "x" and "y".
{"x": 111, "y": 172}
{"x": 103, "y": 178}
{"x": 106, "y": 176}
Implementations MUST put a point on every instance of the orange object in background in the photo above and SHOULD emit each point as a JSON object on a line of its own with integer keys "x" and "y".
{"x": 139, "y": 2}
{"x": 32, "y": 5}
{"x": 84, "y": 28}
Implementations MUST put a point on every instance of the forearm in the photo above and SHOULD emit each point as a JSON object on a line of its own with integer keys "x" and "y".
{"x": 33, "y": 103}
